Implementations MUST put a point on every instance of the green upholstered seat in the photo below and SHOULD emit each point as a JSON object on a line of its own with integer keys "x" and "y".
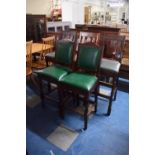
{"x": 63, "y": 55}
{"x": 56, "y": 72}
{"x": 89, "y": 58}
{"x": 79, "y": 80}
{"x": 110, "y": 65}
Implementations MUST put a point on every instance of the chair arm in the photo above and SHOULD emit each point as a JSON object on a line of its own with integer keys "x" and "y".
{"x": 118, "y": 55}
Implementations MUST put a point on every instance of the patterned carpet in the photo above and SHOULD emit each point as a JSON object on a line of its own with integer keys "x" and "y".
{"x": 48, "y": 134}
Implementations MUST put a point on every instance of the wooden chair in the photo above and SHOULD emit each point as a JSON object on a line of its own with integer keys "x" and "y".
{"x": 63, "y": 65}
{"x": 84, "y": 80}
{"x": 29, "y": 73}
{"x": 65, "y": 35}
{"x": 48, "y": 41}
{"x": 29, "y": 58}
{"x": 110, "y": 65}
{"x": 86, "y": 36}
{"x": 40, "y": 63}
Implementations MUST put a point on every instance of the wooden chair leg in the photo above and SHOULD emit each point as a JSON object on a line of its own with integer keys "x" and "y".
{"x": 46, "y": 62}
{"x": 35, "y": 81}
{"x": 49, "y": 87}
{"x": 61, "y": 104}
{"x": 109, "y": 107}
{"x": 41, "y": 93}
{"x": 96, "y": 97}
{"x": 85, "y": 112}
{"x": 111, "y": 98}
{"x": 77, "y": 100}
{"x": 115, "y": 94}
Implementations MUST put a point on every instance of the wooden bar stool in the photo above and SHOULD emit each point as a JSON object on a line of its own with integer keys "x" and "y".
{"x": 110, "y": 65}
{"x": 84, "y": 80}
{"x": 62, "y": 66}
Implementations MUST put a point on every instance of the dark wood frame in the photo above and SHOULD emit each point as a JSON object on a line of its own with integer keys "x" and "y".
{"x": 110, "y": 37}
{"x": 31, "y": 29}
{"x": 65, "y": 87}
{"x": 61, "y": 36}
{"x": 110, "y": 74}
{"x": 49, "y": 79}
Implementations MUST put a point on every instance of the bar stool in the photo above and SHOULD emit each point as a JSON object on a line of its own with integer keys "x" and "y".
{"x": 84, "y": 80}
{"x": 110, "y": 65}
{"x": 63, "y": 66}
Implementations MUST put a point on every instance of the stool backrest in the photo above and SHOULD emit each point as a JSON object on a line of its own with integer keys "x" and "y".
{"x": 87, "y": 37}
{"x": 69, "y": 35}
{"x": 64, "y": 52}
{"x": 89, "y": 57}
{"x": 112, "y": 44}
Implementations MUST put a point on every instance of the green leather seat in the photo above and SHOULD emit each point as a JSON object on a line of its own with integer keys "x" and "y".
{"x": 110, "y": 65}
{"x": 56, "y": 72}
{"x": 63, "y": 56}
{"x": 80, "y": 80}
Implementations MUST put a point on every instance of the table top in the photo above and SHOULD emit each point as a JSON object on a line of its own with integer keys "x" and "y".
{"x": 37, "y": 47}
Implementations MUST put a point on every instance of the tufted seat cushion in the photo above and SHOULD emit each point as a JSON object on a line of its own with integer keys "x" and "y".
{"x": 110, "y": 65}
{"x": 79, "y": 80}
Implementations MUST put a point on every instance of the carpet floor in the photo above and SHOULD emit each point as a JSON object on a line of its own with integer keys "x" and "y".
{"x": 47, "y": 134}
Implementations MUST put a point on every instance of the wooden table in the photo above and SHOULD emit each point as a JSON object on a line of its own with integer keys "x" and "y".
{"x": 37, "y": 47}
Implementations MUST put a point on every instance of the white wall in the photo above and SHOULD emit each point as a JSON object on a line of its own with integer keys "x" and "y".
{"x": 38, "y": 7}
{"x": 73, "y": 11}
{"x": 66, "y": 11}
